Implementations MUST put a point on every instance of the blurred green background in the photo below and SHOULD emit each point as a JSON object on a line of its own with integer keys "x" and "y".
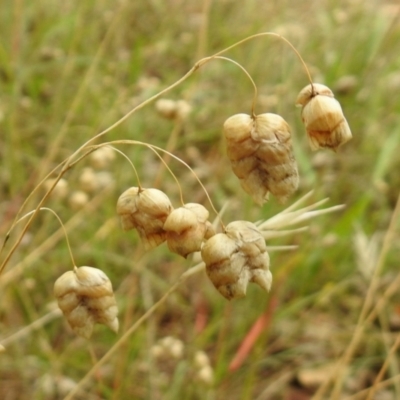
{"x": 68, "y": 70}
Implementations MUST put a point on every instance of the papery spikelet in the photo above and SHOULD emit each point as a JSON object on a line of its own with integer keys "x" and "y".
{"x": 61, "y": 189}
{"x": 261, "y": 155}
{"x": 102, "y": 157}
{"x": 235, "y": 258}
{"x": 323, "y": 117}
{"x": 166, "y": 108}
{"x": 78, "y": 199}
{"x": 146, "y": 211}
{"x": 85, "y": 296}
{"x": 88, "y": 180}
{"x": 172, "y": 109}
{"x": 186, "y": 228}
{"x": 168, "y": 347}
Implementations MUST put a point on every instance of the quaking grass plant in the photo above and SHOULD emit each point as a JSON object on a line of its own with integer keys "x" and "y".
{"x": 234, "y": 254}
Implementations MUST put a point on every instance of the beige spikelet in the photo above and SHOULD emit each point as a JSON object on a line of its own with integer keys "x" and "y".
{"x": 323, "y": 117}
{"x": 85, "y": 296}
{"x": 146, "y": 211}
{"x": 186, "y": 228}
{"x": 261, "y": 154}
{"x": 235, "y": 258}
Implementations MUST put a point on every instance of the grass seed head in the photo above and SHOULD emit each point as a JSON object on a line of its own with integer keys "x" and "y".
{"x": 102, "y": 157}
{"x": 85, "y": 296}
{"x": 186, "y": 229}
{"x": 261, "y": 155}
{"x": 145, "y": 210}
{"x": 78, "y": 199}
{"x": 61, "y": 189}
{"x": 88, "y": 180}
{"x": 52, "y": 385}
{"x": 166, "y": 108}
{"x": 171, "y": 109}
{"x": 168, "y": 347}
{"x": 235, "y": 258}
{"x": 201, "y": 359}
{"x": 323, "y": 117}
{"x": 205, "y": 375}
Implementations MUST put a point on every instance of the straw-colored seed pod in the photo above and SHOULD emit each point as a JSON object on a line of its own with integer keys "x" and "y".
{"x": 86, "y": 297}
{"x": 146, "y": 211}
{"x": 235, "y": 258}
{"x": 261, "y": 155}
{"x": 186, "y": 228}
{"x": 323, "y": 117}
{"x": 102, "y": 157}
{"x": 172, "y": 109}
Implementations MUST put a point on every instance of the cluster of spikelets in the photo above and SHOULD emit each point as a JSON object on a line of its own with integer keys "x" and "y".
{"x": 233, "y": 258}
{"x": 169, "y": 351}
{"x": 260, "y": 150}
{"x": 86, "y": 297}
{"x": 92, "y": 180}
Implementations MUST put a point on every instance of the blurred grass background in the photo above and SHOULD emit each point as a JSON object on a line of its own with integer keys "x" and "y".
{"x": 69, "y": 70}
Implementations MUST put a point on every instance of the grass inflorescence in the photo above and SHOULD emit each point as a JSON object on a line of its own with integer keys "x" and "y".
{"x": 328, "y": 326}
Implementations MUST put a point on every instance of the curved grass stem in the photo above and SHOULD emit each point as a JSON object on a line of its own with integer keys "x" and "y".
{"x": 136, "y": 142}
{"x": 61, "y": 223}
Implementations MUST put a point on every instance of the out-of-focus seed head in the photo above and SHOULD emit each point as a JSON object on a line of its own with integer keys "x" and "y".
{"x": 346, "y": 84}
{"x": 52, "y": 385}
{"x": 235, "y": 258}
{"x": 146, "y": 211}
{"x": 61, "y": 189}
{"x": 183, "y": 109}
{"x": 102, "y": 157}
{"x": 205, "y": 375}
{"x": 105, "y": 180}
{"x": 323, "y": 117}
{"x": 261, "y": 154}
{"x": 85, "y": 296}
{"x": 78, "y": 199}
{"x": 203, "y": 370}
{"x": 92, "y": 181}
{"x": 186, "y": 228}
{"x": 201, "y": 359}
{"x": 88, "y": 180}
{"x": 168, "y": 347}
{"x": 166, "y": 108}
{"x": 171, "y": 109}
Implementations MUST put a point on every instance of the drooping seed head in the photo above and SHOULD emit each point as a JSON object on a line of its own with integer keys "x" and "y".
{"x": 146, "y": 211}
{"x": 186, "y": 228}
{"x": 166, "y": 108}
{"x": 323, "y": 117}
{"x": 168, "y": 347}
{"x": 61, "y": 189}
{"x": 88, "y": 180}
{"x": 102, "y": 157}
{"x": 171, "y": 109}
{"x": 235, "y": 258}
{"x": 78, "y": 199}
{"x": 85, "y": 296}
{"x": 261, "y": 154}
